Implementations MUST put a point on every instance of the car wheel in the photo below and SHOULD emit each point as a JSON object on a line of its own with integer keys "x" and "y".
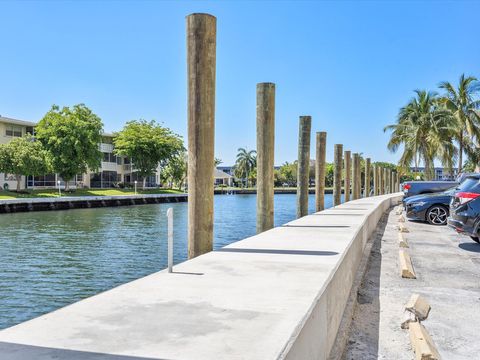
{"x": 476, "y": 239}
{"x": 437, "y": 215}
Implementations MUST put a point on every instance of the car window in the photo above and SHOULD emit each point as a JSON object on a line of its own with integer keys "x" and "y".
{"x": 470, "y": 185}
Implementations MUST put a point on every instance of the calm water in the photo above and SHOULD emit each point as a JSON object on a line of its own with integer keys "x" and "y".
{"x": 51, "y": 259}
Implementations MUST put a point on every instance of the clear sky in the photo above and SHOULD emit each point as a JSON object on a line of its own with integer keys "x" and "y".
{"x": 350, "y": 65}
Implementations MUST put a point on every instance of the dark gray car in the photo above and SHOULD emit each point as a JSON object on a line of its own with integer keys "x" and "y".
{"x": 411, "y": 188}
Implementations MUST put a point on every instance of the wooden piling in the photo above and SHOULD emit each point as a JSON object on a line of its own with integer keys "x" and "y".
{"x": 337, "y": 174}
{"x": 320, "y": 170}
{"x": 348, "y": 171}
{"x": 305, "y": 125}
{"x": 265, "y": 154}
{"x": 201, "y": 59}
{"x": 367, "y": 177}
{"x": 355, "y": 185}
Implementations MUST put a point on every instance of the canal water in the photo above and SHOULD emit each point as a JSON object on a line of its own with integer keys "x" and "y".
{"x": 52, "y": 259}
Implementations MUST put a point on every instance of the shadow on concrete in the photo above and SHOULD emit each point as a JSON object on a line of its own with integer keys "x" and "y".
{"x": 316, "y": 226}
{"x": 364, "y": 332}
{"x": 348, "y": 214}
{"x": 470, "y": 246}
{"x": 11, "y": 351}
{"x": 186, "y": 273}
{"x": 345, "y": 208}
{"x": 281, "y": 252}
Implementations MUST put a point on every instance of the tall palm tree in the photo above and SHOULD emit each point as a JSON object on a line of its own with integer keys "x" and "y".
{"x": 460, "y": 101}
{"x": 425, "y": 130}
{"x": 246, "y": 162}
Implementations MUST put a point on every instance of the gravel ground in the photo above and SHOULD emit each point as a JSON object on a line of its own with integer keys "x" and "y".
{"x": 447, "y": 266}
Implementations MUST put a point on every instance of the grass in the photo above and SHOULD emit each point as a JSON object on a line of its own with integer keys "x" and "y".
{"x": 46, "y": 193}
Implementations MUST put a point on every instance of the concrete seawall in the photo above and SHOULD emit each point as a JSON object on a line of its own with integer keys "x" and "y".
{"x": 277, "y": 295}
{"x": 72, "y": 202}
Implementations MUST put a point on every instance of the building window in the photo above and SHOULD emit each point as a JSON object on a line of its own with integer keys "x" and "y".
{"x": 119, "y": 160}
{"x": 109, "y": 157}
{"x": 15, "y": 131}
{"x": 104, "y": 179}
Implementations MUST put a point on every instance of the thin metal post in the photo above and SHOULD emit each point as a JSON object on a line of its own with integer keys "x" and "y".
{"x": 170, "y": 239}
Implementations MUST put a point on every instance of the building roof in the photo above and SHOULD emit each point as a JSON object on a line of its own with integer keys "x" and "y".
{"x": 7, "y": 120}
{"x": 219, "y": 174}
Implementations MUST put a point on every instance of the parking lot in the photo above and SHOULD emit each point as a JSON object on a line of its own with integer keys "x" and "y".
{"x": 447, "y": 267}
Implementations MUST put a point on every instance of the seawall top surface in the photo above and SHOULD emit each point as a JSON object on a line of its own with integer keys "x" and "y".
{"x": 244, "y": 301}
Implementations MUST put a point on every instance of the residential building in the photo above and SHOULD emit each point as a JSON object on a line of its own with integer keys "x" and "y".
{"x": 113, "y": 169}
{"x": 440, "y": 173}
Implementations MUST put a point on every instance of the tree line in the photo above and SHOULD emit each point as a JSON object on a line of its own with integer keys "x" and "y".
{"x": 245, "y": 170}
{"x": 67, "y": 142}
{"x": 442, "y": 127}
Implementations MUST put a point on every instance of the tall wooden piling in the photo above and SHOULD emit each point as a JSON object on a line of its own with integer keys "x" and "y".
{"x": 355, "y": 185}
{"x": 348, "y": 170}
{"x": 265, "y": 154}
{"x": 337, "y": 174}
{"x": 305, "y": 126}
{"x": 320, "y": 170}
{"x": 201, "y": 59}
{"x": 375, "y": 180}
{"x": 367, "y": 177}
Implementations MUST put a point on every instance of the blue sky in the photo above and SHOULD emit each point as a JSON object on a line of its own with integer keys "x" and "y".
{"x": 350, "y": 65}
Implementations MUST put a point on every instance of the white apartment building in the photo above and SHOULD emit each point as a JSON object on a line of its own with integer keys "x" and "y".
{"x": 113, "y": 169}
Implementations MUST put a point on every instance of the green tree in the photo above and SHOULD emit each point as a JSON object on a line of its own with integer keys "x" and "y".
{"x": 218, "y": 161}
{"x": 147, "y": 144}
{"x": 175, "y": 170}
{"x": 460, "y": 101}
{"x": 23, "y": 156}
{"x": 71, "y": 137}
{"x": 425, "y": 130}
{"x": 246, "y": 162}
{"x": 288, "y": 173}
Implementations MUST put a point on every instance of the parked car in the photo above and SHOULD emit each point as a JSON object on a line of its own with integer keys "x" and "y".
{"x": 433, "y": 208}
{"x": 465, "y": 208}
{"x": 411, "y": 188}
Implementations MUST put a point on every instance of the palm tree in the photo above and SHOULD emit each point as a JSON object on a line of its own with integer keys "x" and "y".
{"x": 246, "y": 162}
{"x": 425, "y": 130}
{"x": 460, "y": 101}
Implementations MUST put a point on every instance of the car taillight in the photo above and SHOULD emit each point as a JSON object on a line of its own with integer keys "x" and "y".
{"x": 407, "y": 187}
{"x": 465, "y": 197}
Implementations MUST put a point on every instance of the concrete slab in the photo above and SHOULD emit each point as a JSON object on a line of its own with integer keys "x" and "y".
{"x": 279, "y": 294}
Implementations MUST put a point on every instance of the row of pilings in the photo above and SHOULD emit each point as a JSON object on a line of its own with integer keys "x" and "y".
{"x": 201, "y": 66}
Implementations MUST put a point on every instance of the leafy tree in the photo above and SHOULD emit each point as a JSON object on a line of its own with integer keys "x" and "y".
{"x": 23, "y": 156}
{"x": 460, "y": 101}
{"x": 288, "y": 173}
{"x": 175, "y": 170}
{"x": 329, "y": 170}
{"x": 425, "y": 130}
{"x": 71, "y": 137}
{"x": 246, "y": 162}
{"x": 218, "y": 161}
{"x": 147, "y": 144}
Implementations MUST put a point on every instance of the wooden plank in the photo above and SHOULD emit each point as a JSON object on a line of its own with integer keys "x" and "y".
{"x": 422, "y": 343}
{"x": 406, "y": 267}
{"x": 418, "y": 306}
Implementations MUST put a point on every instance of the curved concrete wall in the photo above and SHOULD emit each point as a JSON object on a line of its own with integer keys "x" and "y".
{"x": 277, "y": 295}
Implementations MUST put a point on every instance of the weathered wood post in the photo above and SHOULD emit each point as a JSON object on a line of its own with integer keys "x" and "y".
{"x": 375, "y": 180}
{"x": 320, "y": 170}
{"x": 355, "y": 187}
{"x": 265, "y": 154}
{"x": 390, "y": 179}
{"x": 348, "y": 170}
{"x": 201, "y": 57}
{"x": 389, "y": 176}
{"x": 382, "y": 181}
{"x": 337, "y": 174}
{"x": 367, "y": 177}
{"x": 303, "y": 165}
